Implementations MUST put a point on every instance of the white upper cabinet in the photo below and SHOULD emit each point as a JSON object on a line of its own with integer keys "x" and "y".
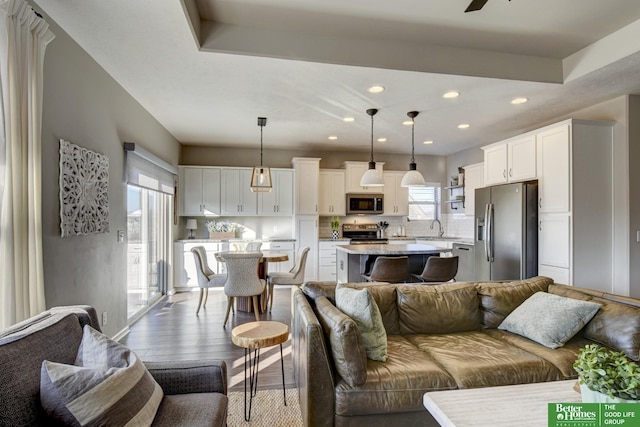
{"x": 510, "y": 161}
{"x": 237, "y": 197}
{"x": 279, "y": 201}
{"x": 332, "y": 192}
{"x": 521, "y": 159}
{"x": 554, "y": 163}
{"x": 495, "y": 164}
{"x": 396, "y": 198}
{"x": 473, "y": 178}
{"x": 200, "y": 189}
{"x": 307, "y": 185}
{"x": 354, "y": 172}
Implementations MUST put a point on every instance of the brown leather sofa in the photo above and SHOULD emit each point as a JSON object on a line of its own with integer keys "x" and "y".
{"x": 439, "y": 337}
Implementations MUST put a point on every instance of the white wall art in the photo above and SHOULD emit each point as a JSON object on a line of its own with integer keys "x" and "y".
{"x": 84, "y": 191}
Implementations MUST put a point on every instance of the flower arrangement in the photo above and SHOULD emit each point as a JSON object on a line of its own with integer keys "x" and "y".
{"x": 222, "y": 230}
{"x": 608, "y": 372}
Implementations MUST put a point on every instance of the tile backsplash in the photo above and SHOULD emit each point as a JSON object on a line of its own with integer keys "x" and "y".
{"x": 454, "y": 225}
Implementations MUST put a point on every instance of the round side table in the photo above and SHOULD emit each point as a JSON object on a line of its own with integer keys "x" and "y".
{"x": 254, "y": 336}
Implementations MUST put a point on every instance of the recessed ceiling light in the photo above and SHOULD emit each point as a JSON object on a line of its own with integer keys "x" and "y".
{"x": 333, "y": 137}
{"x": 517, "y": 101}
{"x": 382, "y": 139}
{"x": 428, "y": 142}
{"x": 407, "y": 122}
{"x": 451, "y": 94}
{"x": 376, "y": 89}
{"x": 348, "y": 119}
{"x": 463, "y": 126}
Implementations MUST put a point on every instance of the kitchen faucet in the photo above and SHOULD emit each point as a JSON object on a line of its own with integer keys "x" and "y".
{"x": 440, "y": 229}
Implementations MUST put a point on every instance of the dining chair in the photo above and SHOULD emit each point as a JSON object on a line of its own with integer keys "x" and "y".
{"x": 439, "y": 269}
{"x": 295, "y": 276}
{"x": 206, "y": 277}
{"x": 242, "y": 279}
{"x": 392, "y": 269}
{"x": 253, "y": 247}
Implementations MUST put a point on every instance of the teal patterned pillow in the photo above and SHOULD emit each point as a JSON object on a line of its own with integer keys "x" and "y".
{"x": 362, "y": 308}
{"x": 549, "y": 319}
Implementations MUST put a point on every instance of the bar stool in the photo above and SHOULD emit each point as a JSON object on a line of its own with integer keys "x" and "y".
{"x": 389, "y": 269}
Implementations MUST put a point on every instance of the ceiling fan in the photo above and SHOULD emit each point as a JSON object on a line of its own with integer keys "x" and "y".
{"x": 476, "y": 5}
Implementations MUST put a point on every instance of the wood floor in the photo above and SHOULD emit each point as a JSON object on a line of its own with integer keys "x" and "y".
{"x": 172, "y": 331}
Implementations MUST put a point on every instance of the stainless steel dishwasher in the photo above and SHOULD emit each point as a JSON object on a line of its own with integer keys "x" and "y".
{"x": 466, "y": 261}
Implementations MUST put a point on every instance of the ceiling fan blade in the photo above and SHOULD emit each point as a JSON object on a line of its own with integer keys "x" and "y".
{"x": 476, "y": 5}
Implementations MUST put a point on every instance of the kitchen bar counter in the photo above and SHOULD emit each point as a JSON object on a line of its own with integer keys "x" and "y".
{"x": 354, "y": 260}
{"x": 390, "y": 249}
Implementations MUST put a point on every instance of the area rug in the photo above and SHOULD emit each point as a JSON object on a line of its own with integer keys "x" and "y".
{"x": 268, "y": 409}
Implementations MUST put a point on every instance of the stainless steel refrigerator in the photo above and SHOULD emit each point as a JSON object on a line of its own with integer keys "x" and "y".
{"x": 506, "y": 231}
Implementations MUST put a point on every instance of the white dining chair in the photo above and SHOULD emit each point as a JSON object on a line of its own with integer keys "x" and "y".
{"x": 295, "y": 276}
{"x": 242, "y": 279}
{"x": 206, "y": 277}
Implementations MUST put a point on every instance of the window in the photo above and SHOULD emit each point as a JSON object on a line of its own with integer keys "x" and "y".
{"x": 148, "y": 246}
{"x": 424, "y": 202}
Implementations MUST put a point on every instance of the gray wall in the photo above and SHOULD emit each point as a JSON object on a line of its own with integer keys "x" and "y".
{"x": 84, "y": 105}
{"x": 433, "y": 168}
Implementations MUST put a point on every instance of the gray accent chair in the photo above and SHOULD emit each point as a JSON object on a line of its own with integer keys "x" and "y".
{"x": 391, "y": 269}
{"x": 439, "y": 269}
{"x": 195, "y": 391}
{"x": 295, "y": 276}
{"x": 242, "y": 279}
{"x": 206, "y": 277}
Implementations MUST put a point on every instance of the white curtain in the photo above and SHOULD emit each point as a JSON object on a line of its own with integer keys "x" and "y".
{"x": 23, "y": 40}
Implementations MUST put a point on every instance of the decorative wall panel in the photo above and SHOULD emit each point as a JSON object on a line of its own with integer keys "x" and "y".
{"x": 84, "y": 191}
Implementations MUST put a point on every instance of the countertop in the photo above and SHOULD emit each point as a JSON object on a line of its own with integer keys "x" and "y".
{"x": 462, "y": 240}
{"x": 234, "y": 240}
{"x": 390, "y": 249}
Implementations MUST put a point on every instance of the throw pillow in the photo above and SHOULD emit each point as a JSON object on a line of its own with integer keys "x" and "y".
{"x": 549, "y": 319}
{"x": 108, "y": 385}
{"x": 362, "y": 308}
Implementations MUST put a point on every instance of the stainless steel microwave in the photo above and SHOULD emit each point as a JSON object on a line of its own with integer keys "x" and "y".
{"x": 362, "y": 203}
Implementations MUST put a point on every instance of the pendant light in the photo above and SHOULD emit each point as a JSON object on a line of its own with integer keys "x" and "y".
{"x": 412, "y": 178}
{"x": 261, "y": 176}
{"x": 372, "y": 178}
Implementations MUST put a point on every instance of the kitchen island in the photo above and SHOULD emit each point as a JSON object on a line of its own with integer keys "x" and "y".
{"x": 354, "y": 260}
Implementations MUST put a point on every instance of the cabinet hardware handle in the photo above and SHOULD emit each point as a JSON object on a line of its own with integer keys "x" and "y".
{"x": 540, "y": 202}
{"x": 504, "y": 173}
{"x": 540, "y": 227}
{"x": 510, "y": 172}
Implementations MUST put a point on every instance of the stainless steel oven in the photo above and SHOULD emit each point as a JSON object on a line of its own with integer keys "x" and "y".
{"x": 361, "y": 234}
{"x": 362, "y": 203}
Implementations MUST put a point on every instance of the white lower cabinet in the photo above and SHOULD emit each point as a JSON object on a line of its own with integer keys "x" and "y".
{"x": 327, "y": 267}
{"x": 184, "y": 271}
{"x": 288, "y": 248}
{"x": 445, "y": 244}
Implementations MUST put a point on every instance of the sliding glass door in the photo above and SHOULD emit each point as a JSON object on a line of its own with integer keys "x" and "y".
{"x": 148, "y": 246}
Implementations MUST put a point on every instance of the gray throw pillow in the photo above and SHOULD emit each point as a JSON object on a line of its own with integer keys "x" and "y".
{"x": 549, "y": 319}
{"x": 108, "y": 385}
{"x": 362, "y": 308}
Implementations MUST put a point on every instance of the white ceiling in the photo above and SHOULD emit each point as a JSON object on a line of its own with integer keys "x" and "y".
{"x": 206, "y": 69}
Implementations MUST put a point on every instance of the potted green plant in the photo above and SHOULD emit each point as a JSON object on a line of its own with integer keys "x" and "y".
{"x": 607, "y": 376}
{"x": 335, "y": 227}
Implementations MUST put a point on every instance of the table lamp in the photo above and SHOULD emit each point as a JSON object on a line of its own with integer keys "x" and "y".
{"x": 192, "y": 224}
